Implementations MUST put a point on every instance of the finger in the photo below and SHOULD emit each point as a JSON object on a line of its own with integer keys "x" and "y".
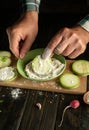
{"x": 48, "y": 51}
{"x": 75, "y": 54}
{"x": 66, "y": 42}
{"x": 14, "y": 40}
{"x": 80, "y": 48}
{"x": 70, "y": 48}
{"x": 61, "y": 46}
{"x": 14, "y": 45}
{"x": 25, "y": 47}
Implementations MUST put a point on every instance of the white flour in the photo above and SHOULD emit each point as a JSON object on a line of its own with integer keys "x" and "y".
{"x": 15, "y": 93}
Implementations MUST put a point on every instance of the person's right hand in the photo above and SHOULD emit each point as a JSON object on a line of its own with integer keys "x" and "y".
{"x": 70, "y": 42}
{"x": 23, "y": 33}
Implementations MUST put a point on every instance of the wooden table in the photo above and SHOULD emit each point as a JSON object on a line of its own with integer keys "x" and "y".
{"x": 21, "y": 113}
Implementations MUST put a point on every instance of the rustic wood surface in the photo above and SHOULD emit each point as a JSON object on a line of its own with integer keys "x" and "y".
{"x": 51, "y": 86}
{"x": 22, "y": 113}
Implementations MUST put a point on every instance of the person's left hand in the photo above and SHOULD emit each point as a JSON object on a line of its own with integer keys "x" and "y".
{"x": 69, "y": 42}
{"x": 22, "y": 34}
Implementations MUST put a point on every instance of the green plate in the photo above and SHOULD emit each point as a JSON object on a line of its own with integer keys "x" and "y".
{"x": 21, "y": 63}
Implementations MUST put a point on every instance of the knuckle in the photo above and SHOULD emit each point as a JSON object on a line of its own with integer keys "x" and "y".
{"x": 11, "y": 48}
{"x": 65, "y": 29}
{"x": 83, "y": 49}
{"x": 75, "y": 35}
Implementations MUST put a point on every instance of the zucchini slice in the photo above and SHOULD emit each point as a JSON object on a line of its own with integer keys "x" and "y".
{"x": 4, "y": 61}
{"x": 81, "y": 67}
{"x": 5, "y": 53}
{"x": 41, "y": 66}
{"x": 8, "y": 73}
{"x": 69, "y": 80}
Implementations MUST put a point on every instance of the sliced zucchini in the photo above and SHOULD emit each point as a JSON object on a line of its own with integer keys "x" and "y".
{"x": 5, "y": 53}
{"x": 8, "y": 73}
{"x": 69, "y": 80}
{"x": 4, "y": 61}
{"x": 41, "y": 66}
{"x": 81, "y": 67}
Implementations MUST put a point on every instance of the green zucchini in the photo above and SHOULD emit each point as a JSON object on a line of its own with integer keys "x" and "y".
{"x": 69, "y": 80}
{"x": 81, "y": 67}
{"x": 5, "y": 58}
{"x": 5, "y": 53}
{"x": 8, "y": 73}
{"x": 41, "y": 66}
{"x": 4, "y": 61}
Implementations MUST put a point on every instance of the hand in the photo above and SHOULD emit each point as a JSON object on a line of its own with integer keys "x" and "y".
{"x": 23, "y": 33}
{"x": 69, "y": 42}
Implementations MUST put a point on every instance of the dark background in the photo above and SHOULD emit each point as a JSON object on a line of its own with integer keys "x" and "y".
{"x": 51, "y": 19}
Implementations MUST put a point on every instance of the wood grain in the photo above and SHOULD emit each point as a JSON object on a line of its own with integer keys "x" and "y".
{"x": 52, "y": 85}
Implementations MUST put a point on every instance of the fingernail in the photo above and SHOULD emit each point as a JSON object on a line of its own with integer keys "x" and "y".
{"x": 22, "y": 56}
{"x": 56, "y": 51}
{"x": 46, "y": 53}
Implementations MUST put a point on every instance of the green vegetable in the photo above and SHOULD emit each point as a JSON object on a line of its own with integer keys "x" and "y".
{"x": 4, "y": 61}
{"x": 5, "y": 58}
{"x": 69, "y": 80}
{"x": 1, "y": 101}
{"x": 41, "y": 66}
{"x": 81, "y": 67}
{"x": 15, "y": 75}
{"x": 8, "y": 74}
{"x": 5, "y": 53}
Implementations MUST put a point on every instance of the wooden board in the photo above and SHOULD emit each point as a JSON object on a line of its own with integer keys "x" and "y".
{"x": 51, "y": 86}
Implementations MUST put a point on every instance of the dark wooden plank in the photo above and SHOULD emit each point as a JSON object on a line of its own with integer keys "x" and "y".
{"x": 74, "y": 119}
{"x": 35, "y": 119}
{"x": 30, "y": 109}
{"x": 12, "y": 108}
{"x": 50, "y": 111}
